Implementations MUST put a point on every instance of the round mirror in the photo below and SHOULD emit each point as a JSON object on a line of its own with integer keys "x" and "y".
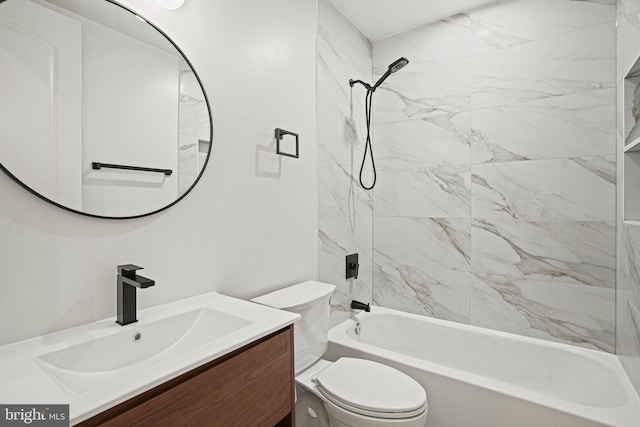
{"x": 100, "y": 112}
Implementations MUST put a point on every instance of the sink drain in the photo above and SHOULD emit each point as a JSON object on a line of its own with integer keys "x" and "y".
{"x": 136, "y": 337}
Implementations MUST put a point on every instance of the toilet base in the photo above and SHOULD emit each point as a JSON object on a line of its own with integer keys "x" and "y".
{"x": 310, "y": 410}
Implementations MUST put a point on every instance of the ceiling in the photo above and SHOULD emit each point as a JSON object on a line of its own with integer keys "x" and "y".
{"x": 378, "y": 19}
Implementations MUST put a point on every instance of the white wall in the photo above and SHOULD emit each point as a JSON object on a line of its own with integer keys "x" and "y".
{"x": 248, "y": 227}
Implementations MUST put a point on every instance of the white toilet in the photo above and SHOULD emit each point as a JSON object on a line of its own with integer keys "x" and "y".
{"x": 353, "y": 392}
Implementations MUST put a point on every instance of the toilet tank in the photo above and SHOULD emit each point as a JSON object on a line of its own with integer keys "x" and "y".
{"x": 311, "y": 332}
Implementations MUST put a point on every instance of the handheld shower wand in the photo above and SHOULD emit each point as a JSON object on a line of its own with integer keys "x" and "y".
{"x": 395, "y": 66}
{"x": 392, "y": 68}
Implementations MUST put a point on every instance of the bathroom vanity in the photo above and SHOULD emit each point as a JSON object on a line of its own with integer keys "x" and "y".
{"x": 209, "y": 360}
{"x": 252, "y": 386}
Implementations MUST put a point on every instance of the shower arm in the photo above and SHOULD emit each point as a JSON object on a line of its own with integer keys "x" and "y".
{"x": 366, "y": 85}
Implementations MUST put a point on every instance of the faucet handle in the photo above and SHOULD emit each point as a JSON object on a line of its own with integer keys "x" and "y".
{"x": 128, "y": 270}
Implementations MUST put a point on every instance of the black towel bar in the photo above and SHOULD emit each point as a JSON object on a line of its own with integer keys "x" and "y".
{"x": 98, "y": 165}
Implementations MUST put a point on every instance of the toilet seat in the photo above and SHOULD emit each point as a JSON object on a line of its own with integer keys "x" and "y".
{"x": 371, "y": 389}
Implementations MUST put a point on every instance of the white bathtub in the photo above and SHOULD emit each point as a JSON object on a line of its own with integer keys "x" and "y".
{"x": 476, "y": 377}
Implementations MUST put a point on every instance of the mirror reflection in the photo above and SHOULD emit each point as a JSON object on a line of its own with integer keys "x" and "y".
{"x": 86, "y": 83}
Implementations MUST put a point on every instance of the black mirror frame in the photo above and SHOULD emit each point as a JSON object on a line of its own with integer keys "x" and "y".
{"x": 182, "y": 196}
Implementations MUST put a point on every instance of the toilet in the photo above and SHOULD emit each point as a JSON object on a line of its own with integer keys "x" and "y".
{"x": 348, "y": 392}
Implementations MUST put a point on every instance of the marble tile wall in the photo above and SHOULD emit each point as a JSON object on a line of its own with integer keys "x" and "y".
{"x": 495, "y": 203}
{"x": 628, "y": 247}
{"x": 193, "y": 127}
{"x": 344, "y": 208}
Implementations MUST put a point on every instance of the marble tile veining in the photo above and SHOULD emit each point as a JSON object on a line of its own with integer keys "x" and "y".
{"x": 340, "y": 137}
{"x": 574, "y": 62}
{"x": 344, "y": 208}
{"x": 340, "y": 194}
{"x": 194, "y": 117}
{"x": 574, "y": 314}
{"x": 346, "y": 291}
{"x": 500, "y": 25}
{"x": 338, "y": 238}
{"x": 435, "y": 81}
{"x": 437, "y": 293}
{"x": 426, "y": 41}
{"x": 581, "y": 189}
{"x": 343, "y": 53}
{"x": 629, "y": 267}
{"x": 188, "y": 155}
{"x": 575, "y": 252}
{"x": 628, "y": 259}
{"x": 439, "y": 140}
{"x": 340, "y": 37}
{"x": 504, "y": 119}
{"x": 423, "y": 88}
{"x": 434, "y": 191}
{"x": 438, "y": 243}
{"x": 630, "y": 110}
{"x": 566, "y": 126}
{"x": 628, "y": 46}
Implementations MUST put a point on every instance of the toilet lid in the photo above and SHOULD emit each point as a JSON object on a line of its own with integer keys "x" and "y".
{"x": 371, "y": 388}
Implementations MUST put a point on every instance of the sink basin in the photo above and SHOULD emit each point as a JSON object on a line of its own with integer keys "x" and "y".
{"x": 142, "y": 341}
{"x": 84, "y": 366}
{"x": 98, "y": 365}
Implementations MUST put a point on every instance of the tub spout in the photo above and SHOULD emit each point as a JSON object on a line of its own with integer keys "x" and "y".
{"x": 360, "y": 306}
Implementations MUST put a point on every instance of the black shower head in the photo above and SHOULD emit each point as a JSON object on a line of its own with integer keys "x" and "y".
{"x": 398, "y": 64}
{"x": 393, "y": 67}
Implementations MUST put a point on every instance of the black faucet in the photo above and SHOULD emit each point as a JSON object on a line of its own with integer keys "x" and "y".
{"x": 360, "y": 306}
{"x": 126, "y": 286}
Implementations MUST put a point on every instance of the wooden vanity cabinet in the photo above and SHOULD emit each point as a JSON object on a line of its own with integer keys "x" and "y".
{"x": 250, "y": 387}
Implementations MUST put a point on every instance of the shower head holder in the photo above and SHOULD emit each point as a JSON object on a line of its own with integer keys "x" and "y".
{"x": 394, "y": 67}
{"x": 366, "y": 85}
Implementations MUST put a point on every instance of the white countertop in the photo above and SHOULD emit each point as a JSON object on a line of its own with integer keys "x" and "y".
{"x": 25, "y": 379}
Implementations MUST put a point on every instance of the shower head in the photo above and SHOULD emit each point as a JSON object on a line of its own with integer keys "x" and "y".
{"x": 393, "y": 67}
{"x": 398, "y": 64}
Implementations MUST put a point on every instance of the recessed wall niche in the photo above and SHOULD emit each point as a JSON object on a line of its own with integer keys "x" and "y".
{"x": 632, "y": 144}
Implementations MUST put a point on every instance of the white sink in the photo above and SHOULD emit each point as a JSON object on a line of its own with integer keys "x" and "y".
{"x": 92, "y": 363}
{"x": 101, "y": 364}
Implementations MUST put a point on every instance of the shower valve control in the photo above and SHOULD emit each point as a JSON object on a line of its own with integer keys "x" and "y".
{"x": 352, "y": 266}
